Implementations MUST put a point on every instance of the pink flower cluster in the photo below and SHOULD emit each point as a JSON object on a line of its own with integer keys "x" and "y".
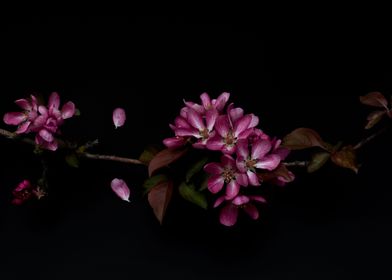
{"x": 245, "y": 149}
{"x": 42, "y": 120}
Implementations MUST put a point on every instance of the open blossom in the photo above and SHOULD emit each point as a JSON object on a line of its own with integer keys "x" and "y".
{"x": 229, "y": 213}
{"x": 46, "y": 125}
{"x": 250, "y": 158}
{"x": 201, "y": 129}
{"x": 225, "y": 173}
{"x": 23, "y": 119}
{"x": 208, "y": 104}
{"x": 23, "y": 192}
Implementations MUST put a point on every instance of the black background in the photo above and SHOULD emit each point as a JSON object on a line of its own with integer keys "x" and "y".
{"x": 328, "y": 225}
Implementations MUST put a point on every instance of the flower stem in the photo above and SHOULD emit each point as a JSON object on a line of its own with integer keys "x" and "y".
{"x": 370, "y": 138}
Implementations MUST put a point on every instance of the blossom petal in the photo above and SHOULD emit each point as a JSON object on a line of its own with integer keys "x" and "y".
{"x": 240, "y": 200}
{"x": 206, "y": 100}
{"x": 232, "y": 189}
{"x": 219, "y": 201}
{"x": 46, "y": 135}
{"x": 228, "y": 215}
{"x": 54, "y": 100}
{"x": 201, "y": 144}
{"x": 213, "y": 168}
{"x": 221, "y": 101}
{"x": 52, "y": 146}
{"x": 242, "y": 148}
{"x": 174, "y": 142}
{"x": 187, "y": 132}
{"x": 14, "y": 118}
{"x": 242, "y": 124}
{"x": 22, "y": 128}
{"x": 242, "y": 179}
{"x": 120, "y": 188}
{"x": 43, "y": 110}
{"x": 260, "y": 149}
{"x": 253, "y": 179}
{"x": 228, "y": 161}
{"x": 119, "y": 117}
{"x": 254, "y": 122}
{"x": 24, "y": 104}
{"x": 215, "y": 183}
{"x": 215, "y": 143}
{"x": 194, "y": 106}
{"x": 222, "y": 125}
{"x": 258, "y": 198}
{"x": 211, "y": 116}
{"x": 252, "y": 211}
{"x": 68, "y": 110}
{"x": 235, "y": 114}
{"x": 195, "y": 120}
{"x": 241, "y": 164}
{"x": 181, "y": 122}
{"x": 269, "y": 162}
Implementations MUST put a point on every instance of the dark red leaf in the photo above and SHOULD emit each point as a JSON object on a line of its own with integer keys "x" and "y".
{"x": 346, "y": 158}
{"x": 164, "y": 158}
{"x": 159, "y": 198}
{"x": 302, "y": 138}
{"x": 375, "y": 99}
{"x": 374, "y": 118}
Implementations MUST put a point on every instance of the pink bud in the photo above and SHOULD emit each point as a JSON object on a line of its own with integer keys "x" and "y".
{"x": 119, "y": 117}
{"x": 121, "y": 189}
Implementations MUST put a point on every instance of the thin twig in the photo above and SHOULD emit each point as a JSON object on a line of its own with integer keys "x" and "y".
{"x": 111, "y": 158}
{"x": 14, "y": 136}
{"x": 370, "y": 138}
{"x": 297, "y": 163}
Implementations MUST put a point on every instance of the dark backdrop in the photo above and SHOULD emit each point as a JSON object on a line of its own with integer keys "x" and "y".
{"x": 328, "y": 225}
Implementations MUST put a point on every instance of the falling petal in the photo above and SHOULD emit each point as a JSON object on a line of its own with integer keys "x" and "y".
{"x": 121, "y": 189}
{"x": 119, "y": 117}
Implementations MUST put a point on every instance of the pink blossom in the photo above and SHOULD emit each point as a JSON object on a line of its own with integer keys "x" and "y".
{"x": 23, "y": 119}
{"x": 229, "y": 131}
{"x": 208, "y": 104}
{"x": 121, "y": 189}
{"x": 225, "y": 173}
{"x": 229, "y": 213}
{"x": 255, "y": 156}
{"x": 119, "y": 117}
{"x": 47, "y": 123}
{"x": 200, "y": 128}
{"x": 22, "y": 192}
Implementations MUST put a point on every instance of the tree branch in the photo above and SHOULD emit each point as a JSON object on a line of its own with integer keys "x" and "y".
{"x": 370, "y": 138}
{"x": 14, "y": 136}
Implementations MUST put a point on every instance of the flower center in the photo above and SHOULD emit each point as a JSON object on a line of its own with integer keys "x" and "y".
{"x": 230, "y": 140}
{"x": 228, "y": 175}
{"x": 204, "y": 133}
{"x": 250, "y": 163}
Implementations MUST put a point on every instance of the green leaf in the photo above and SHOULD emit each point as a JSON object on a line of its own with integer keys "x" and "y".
{"x": 148, "y": 154}
{"x": 154, "y": 181}
{"x": 77, "y": 112}
{"x": 318, "y": 160}
{"x": 72, "y": 160}
{"x": 204, "y": 183}
{"x": 195, "y": 169}
{"x": 188, "y": 192}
